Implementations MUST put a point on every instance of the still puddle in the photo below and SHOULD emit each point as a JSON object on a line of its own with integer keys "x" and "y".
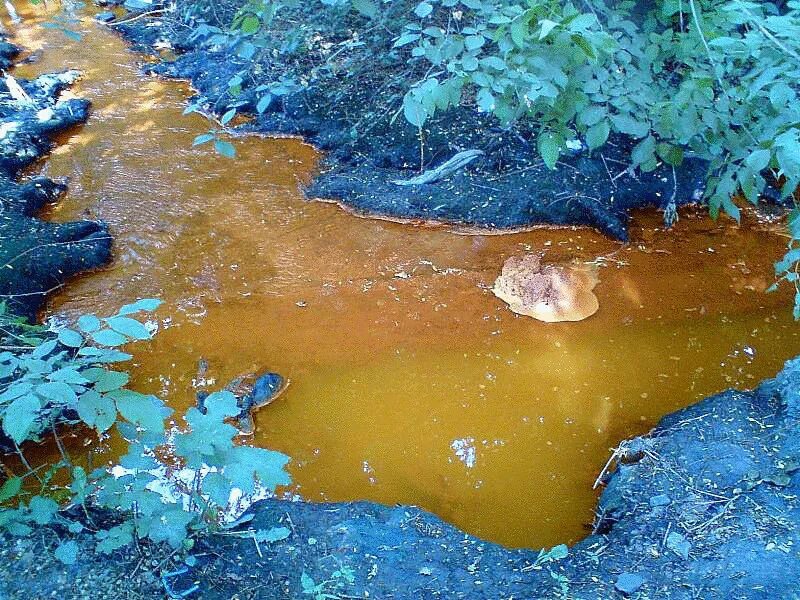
{"x": 409, "y": 381}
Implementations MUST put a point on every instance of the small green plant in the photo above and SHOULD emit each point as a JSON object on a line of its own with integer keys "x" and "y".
{"x": 331, "y": 588}
{"x": 788, "y": 268}
{"x": 221, "y": 146}
{"x": 169, "y": 486}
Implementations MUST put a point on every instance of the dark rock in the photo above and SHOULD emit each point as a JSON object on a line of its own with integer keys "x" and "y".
{"x": 105, "y": 16}
{"x": 660, "y": 500}
{"x": 265, "y": 387}
{"x": 628, "y": 583}
{"x": 8, "y": 52}
{"x": 35, "y": 256}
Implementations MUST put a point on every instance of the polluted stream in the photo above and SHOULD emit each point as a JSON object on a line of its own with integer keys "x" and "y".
{"x": 409, "y": 381}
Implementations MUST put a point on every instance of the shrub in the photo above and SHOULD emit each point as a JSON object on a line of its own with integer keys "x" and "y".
{"x": 168, "y": 486}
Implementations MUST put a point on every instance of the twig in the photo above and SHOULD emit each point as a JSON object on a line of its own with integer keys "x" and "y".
{"x": 604, "y": 470}
{"x": 44, "y": 293}
{"x": 137, "y": 17}
{"x": 27, "y": 464}
{"x": 717, "y": 516}
{"x": 60, "y": 445}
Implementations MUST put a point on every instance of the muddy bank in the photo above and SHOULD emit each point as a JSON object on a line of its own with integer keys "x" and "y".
{"x": 36, "y": 256}
{"x": 356, "y": 120}
{"x": 704, "y": 507}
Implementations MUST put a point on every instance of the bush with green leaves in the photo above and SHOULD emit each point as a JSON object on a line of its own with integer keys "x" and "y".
{"x": 170, "y": 484}
{"x": 718, "y": 80}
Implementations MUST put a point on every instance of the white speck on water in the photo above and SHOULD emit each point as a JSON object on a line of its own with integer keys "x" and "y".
{"x": 464, "y": 450}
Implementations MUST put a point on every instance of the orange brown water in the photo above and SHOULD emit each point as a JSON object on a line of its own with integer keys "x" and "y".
{"x": 410, "y": 381}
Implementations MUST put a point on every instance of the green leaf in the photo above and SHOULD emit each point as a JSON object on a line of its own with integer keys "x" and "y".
{"x": 70, "y": 338}
{"x": 97, "y": 411}
{"x": 20, "y": 417}
{"x": 469, "y": 63}
{"x": 220, "y": 405}
{"x": 170, "y": 526}
{"x": 582, "y": 43}
{"x": 108, "y": 337}
{"x": 57, "y": 391}
{"x": 203, "y": 138}
{"x": 549, "y": 149}
{"x": 245, "y": 463}
{"x": 114, "y": 538}
{"x": 263, "y": 103}
{"x": 597, "y": 134}
{"x": 73, "y": 35}
{"x": 110, "y": 381}
{"x": 100, "y": 356}
{"x": 307, "y": 584}
{"x": 547, "y": 27}
{"x": 20, "y": 388}
{"x": 275, "y": 534}
{"x": 67, "y": 552}
{"x": 729, "y": 207}
{"x": 414, "y": 111}
{"x": 88, "y": 323}
{"x": 75, "y": 527}
{"x": 368, "y": 8}
{"x": 670, "y": 154}
{"x": 781, "y": 94}
{"x": 143, "y": 305}
{"x": 485, "y": 100}
{"x": 644, "y": 152}
{"x": 630, "y": 126}
{"x": 44, "y": 349}
{"x": 520, "y": 30}
{"x": 558, "y": 552}
{"x": 129, "y": 327}
{"x": 42, "y": 509}
{"x": 473, "y": 42}
{"x": 78, "y": 486}
{"x": 494, "y": 62}
{"x": 592, "y": 115}
{"x": 405, "y": 39}
{"x": 68, "y": 375}
{"x": 147, "y": 412}
{"x": 224, "y": 148}
{"x": 250, "y": 24}
{"x": 217, "y": 488}
{"x": 758, "y": 160}
{"x": 208, "y": 434}
{"x": 228, "y": 116}
{"x": 423, "y": 9}
{"x": 11, "y": 487}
